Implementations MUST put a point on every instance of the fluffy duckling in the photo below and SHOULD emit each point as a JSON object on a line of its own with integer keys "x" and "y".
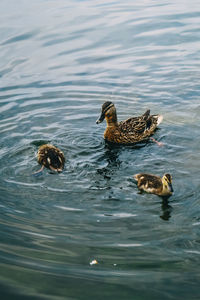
{"x": 130, "y": 131}
{"x": 50, "y": 157}
{"x": 154, "y": 184}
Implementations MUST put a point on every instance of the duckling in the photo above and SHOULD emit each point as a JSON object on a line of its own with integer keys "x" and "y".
{"x": 154, "y": 184}
{"x": 50, "y": 157}
{"x": 130, "y": 131}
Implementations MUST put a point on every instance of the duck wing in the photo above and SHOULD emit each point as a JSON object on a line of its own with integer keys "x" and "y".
{"x": 142, "y": 125}
{"x": 148, "y": 182}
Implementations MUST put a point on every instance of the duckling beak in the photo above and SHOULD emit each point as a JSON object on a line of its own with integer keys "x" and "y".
{"x": 101, "y": 118}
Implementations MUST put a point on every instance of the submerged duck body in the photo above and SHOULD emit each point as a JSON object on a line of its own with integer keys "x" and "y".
{"x": 130, "y": 131}
{"x": 51, "y": 157}
{"x": 154, "y": 184}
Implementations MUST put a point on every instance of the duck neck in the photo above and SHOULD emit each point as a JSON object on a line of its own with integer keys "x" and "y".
{"x": 165, "y": 187}
{"x": 112, "y": 121}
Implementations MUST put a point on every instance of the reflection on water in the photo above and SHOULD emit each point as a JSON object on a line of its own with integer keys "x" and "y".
{"x": 166, "y": 210}
{"x": 59, "y": 62}
{"x": 111, "y": 157}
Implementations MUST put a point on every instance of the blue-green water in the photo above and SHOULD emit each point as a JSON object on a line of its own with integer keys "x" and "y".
{"x": 59, "y": 61}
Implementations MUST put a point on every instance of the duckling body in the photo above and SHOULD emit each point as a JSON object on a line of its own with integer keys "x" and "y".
{"x": 154, "y": 184}
{"x": 51, "y": 157}
{"x": 130, "y": 131}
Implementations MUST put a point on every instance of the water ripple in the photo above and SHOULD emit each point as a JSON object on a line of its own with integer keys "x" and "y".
{"x": 58, "y": 64}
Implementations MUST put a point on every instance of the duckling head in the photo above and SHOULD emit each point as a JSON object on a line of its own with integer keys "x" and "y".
{"x": 167, "y": 184}
{"x": 108, "y": 111}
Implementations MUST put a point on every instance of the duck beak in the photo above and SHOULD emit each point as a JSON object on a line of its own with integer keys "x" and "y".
{"x": 101, "y": 118}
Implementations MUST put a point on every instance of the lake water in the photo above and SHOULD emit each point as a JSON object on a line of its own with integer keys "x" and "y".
{"x": 59, "y": 62}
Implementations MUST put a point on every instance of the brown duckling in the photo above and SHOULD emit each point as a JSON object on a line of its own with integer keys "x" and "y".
{"x": 130, "y": 131}
{"x": 50, "y": 157}
{"x": 154, "y": 184}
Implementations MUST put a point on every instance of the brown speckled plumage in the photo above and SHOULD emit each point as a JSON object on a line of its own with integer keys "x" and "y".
{"x": 130, "y": 131}
{"x": 154, "y": 184}
{"x": 51, "y": 157}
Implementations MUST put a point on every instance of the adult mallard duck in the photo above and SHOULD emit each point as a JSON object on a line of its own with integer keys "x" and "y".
{"x": 154, "y": 184}
{"x": 130, "y": 131}
{"x": 50, "y": 157}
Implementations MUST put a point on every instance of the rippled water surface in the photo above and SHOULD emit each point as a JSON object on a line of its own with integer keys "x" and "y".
{"x": 59, "y": 62}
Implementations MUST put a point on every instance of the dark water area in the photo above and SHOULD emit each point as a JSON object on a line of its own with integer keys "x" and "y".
{"x": 59, "y": 62}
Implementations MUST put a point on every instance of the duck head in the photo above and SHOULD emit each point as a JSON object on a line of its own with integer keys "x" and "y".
{"x": 167, "y": 183}
{"x": 108, "y": 112}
